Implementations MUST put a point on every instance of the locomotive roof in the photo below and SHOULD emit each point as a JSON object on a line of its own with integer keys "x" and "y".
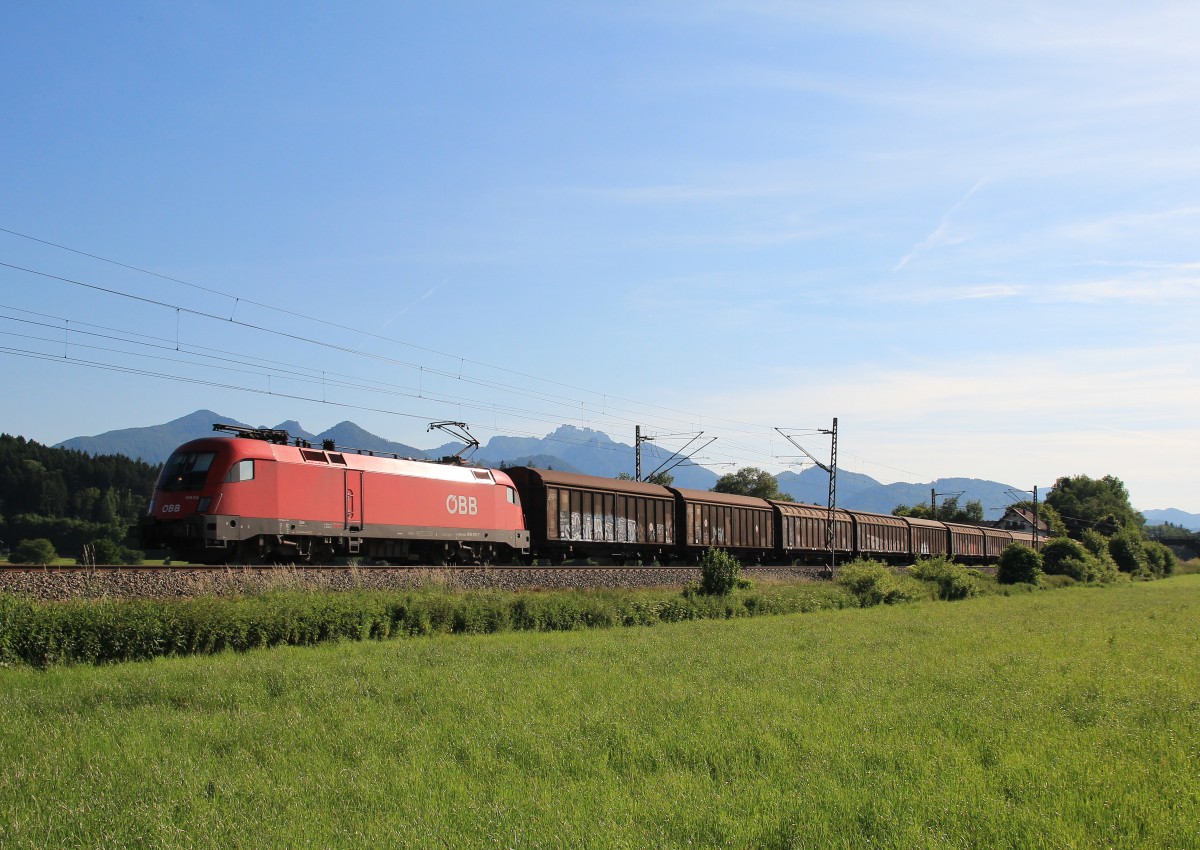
{"x": 254, "y": 448}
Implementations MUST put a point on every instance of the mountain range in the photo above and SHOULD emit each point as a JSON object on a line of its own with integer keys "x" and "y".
{"x": 572, "y": 449}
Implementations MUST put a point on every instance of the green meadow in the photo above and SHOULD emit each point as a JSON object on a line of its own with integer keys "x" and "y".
{"x": 1054, "y": 719}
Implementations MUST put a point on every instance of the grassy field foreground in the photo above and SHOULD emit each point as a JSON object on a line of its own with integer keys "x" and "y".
{"x": 1066, "y": 719}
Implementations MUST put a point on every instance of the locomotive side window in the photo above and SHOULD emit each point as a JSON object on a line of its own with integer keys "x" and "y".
{"x": 243, "y": 470}
{"x": 186, "y": 470}
{"x": 512, "y": 496}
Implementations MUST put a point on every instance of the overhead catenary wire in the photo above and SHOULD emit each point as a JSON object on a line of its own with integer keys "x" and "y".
{"x": 300, "y": 374}
{"x": 294, "y": 313}
{"x": 451, "y": 374}
{"x": 296, "y": 337}
{"x": 752, "y": 454}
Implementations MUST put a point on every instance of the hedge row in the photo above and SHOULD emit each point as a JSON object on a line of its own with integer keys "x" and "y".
{"x": 99, "y": 631}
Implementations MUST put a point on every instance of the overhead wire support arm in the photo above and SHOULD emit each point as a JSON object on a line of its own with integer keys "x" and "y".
{"x": 458, "y": 430}
{"x": 831, "y": 469}
{"x": 809, "y": 454}
{"x": 933, "y": 499}
{"x": 663, "y": 468}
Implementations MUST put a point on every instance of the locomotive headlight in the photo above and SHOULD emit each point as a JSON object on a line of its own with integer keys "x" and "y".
{"x": 203, "y": 505}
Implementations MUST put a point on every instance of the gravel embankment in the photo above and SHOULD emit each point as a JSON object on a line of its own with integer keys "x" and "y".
{"x": 51, "y": 583}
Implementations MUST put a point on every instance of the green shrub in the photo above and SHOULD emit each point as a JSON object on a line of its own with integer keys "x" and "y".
{"x": 1161, "y": 559}
{"x": 718, "y": 572}
{"x": 1018, "y": 564}
{"x": 1096, "y": 545}
{"x": 1063, "y": 556}
{"x": 953, "y": 581}
{"x": 1129, "y": 552}
{"x": 101, "y": 551}
{"x": 873, "y": 583}
{"x": 38, "y": 550}
{"x": 1095, "y": 542}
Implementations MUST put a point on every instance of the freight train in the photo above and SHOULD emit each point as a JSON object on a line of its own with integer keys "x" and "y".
{"x": 261, "y": 497}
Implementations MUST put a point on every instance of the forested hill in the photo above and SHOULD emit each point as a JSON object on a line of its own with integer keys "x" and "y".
{"x": 68, "y": 496}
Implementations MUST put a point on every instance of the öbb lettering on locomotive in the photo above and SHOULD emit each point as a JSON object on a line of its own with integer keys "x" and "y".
{"x": 466, "y": 505}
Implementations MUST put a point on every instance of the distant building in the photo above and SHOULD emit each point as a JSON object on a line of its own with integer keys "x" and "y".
{"x": 1019, "y": 519}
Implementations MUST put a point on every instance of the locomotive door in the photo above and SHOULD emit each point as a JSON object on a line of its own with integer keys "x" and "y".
{"x": 354, "y": 500}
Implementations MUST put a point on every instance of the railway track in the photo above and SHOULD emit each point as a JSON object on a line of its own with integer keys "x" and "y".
{"x": 43, "y": 568}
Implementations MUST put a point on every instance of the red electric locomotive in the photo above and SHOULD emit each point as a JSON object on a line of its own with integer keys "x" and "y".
{"x": 255, "y": 498}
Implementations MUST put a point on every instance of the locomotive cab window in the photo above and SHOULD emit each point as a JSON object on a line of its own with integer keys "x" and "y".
{"x": 186, "y": 470}
{"x": 243, "y": 470}
{"x": 512, "y": 495}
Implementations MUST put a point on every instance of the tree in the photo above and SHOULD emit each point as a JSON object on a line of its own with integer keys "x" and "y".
{"x": 751, "y": 481}
{"x": 1169, "y": 530}
{"x": 1099, "y": 503}
{"x": 38, "y": 550}
{"x": 1045, "y": 513}
{"x": 947, "y": 511}
{"x": 662, "y": 479}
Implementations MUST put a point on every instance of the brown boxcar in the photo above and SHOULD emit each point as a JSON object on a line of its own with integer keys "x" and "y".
{"x": 928, "y": 537}
{"x": 966, "y": 542}
{"x": 801, "y": 532}
{"x": 742, "y": 524}
{"x": 881, "y": 536}
{"x": 570, "y": 515}
{"x": 994, "y": 541}
{"x": 1025, "y": 538}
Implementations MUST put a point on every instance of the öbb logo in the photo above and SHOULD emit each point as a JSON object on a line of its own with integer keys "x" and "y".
{"x": 465, "y": 505}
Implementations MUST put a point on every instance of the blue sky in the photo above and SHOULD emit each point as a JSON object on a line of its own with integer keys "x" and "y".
{"x": 968, "y": 231}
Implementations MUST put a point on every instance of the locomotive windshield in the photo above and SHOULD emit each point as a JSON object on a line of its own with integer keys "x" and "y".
{"x": 186, "y": 471}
